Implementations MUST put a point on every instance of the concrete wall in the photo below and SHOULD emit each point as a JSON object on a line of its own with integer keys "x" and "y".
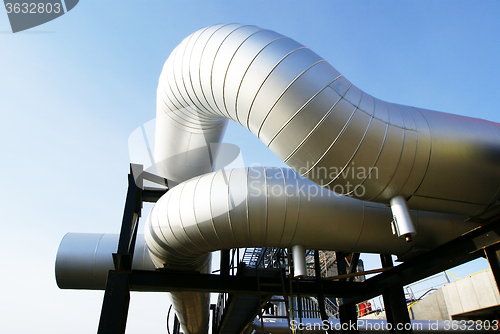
{"x": 471, "y": 293}
{"x": 432, "y": 307}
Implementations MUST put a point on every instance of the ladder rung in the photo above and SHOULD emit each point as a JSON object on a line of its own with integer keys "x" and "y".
{"x": 275, "y": 316}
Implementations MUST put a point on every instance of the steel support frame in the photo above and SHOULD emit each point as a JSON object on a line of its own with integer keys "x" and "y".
{"x": 479, "y": 242}
{"x": 116, "y": 301}
{"x": 463, "y": 249}
{"x": 114, "y": 311}
{"x": 321, "y": 296}
{"x": 170, "y": 280}
{"x": 493, "y": 256}
{"x": 395, "y": 303}
{"x": 347, "y": 312}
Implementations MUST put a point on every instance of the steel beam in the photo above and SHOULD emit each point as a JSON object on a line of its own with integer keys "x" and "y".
{"x": 225, "y": 262}
{"x": 456, "y": 252}
{"x": 347, "y": 312}
{"x": 395, "y": 304}
{"x": 353, "y": 268}
{"x": 168, "y": 281}
{"x": 116, "y": 301}
{"x": 493, "y": 256}
{"x": 115, "y": 305}
{"x": 319, "y": 286}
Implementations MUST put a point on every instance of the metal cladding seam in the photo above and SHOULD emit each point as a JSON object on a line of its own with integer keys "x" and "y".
{"x": 319, "y": 124}
{"x": 275, "y": 207}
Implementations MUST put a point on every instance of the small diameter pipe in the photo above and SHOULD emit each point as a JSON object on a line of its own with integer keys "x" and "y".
{"x": 402, "y": 219}
{"x": 299, "y": 261}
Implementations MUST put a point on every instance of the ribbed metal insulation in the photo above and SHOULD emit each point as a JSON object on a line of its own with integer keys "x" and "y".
{"x": 323, "y": 127}
{"x": 259, "y": 207}
{"x": 84, "y": 259}
{"x": 319, "y": 124}
{"x": 274, "y": 207}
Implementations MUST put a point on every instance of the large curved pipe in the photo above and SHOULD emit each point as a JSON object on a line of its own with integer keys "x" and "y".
{"x": 259, "y": 207}
{"x": 274, "y": 207}
{"x": 322, "y": 126}
{"x": 245, "y": 207}
{"x": 319, "y": 124}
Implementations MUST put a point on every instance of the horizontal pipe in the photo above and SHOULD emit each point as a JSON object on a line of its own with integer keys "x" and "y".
{"x": 263, "y": 207}
{"x": 272, "y": 207}
{"x": 276, "y": 207}
{"x": 84, "y": 259}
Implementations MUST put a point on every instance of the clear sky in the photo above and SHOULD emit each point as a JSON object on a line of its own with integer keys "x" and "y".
{"x": 73, "y": 90}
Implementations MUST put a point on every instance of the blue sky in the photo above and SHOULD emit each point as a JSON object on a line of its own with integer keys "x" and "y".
{"x": 73, "y": 90}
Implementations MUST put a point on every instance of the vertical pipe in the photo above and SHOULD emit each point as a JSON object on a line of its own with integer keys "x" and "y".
{"x": 402, "y": 219}
{"x": 290, "y": 297}
{"x": 299, "y": 261}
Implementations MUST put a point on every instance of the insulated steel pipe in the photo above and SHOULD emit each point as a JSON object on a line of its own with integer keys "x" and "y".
{"x": 275, "y": 207}
{"x": 84, "y": 259}
{"x": 246, "y": 208}
{"x": 318, "y": 123}
{"x": 403, "y": 224}
{"x": 264, "y": 207}
{"x": 327, "y": 130}
{"x": 299, "y": 261}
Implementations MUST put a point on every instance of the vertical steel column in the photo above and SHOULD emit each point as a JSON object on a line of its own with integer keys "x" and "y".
{"x": 354, "y": 266}
{"x": 347, "y": 312}
{"x": 225, "y": 266}
{"x": 321, "y": 296}
{"x": 395, "y": 303}
{"x": 493, "y": 256}
{"x": 116, "y": 301}
{"x": 224, "y": 262}
{"x": 115, "y": 304}
{"x": 215, "y": 317}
